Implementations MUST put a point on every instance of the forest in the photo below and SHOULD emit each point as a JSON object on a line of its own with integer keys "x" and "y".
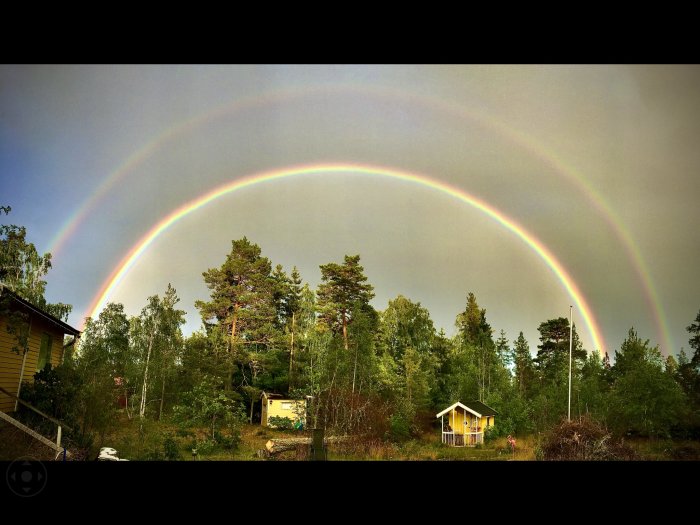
{"x": 380, "y": 374}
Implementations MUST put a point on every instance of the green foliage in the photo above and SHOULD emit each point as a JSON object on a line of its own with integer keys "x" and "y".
{"x": 207, "y": 404}
{"x": 156, "y": 346}
{"x": 492, "y": 433}
{"x": 281, "y": 422}
{"x": 645, "y": 400}
{"x": 553, "y": 353}
{"x": 382, "y": 374}
{"x": 56, "y": 392}
{"x": 242, "y": 296}
{"x": 525, "y": 375}
{"x": 694, "y": 341}
{"x": 343, "y": 285}
{"x": 171, "y": 450}
{"x": 22, "y": 269}
{"x": 515, "y": 414}
{"x": 401, "y": 421}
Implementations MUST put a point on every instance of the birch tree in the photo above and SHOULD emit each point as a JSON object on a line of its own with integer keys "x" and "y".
{"x": 156, "y": 337}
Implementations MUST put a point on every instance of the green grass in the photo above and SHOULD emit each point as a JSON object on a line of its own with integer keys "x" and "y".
{"x": 132, "y": 444}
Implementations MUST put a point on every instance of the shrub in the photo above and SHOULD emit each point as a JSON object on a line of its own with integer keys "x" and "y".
{"x": 281, "y": 422}
{"x": 170, "y": 449}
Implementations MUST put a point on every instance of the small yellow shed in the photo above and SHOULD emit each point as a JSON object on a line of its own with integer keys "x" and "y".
{"x": 274, "y": 405}
{"x": 465, "y": 424}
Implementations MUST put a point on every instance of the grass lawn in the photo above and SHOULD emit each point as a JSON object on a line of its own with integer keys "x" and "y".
{"x": 165, "y": 440}
{"x": 133, "y": 445}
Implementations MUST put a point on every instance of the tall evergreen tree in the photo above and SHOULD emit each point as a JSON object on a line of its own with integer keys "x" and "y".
{"x": 477, "y": 341}
{"x": 343, "y": 286}
{"x": 645, "y": 399}
{"x": 242, "y": 296}
{"x": 694, "y": 341}
{"x": 553, "y": 353}
{"x": 524, "y": 366}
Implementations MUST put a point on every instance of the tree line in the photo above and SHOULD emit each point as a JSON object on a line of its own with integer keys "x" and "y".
{"x": 384, "y": 373}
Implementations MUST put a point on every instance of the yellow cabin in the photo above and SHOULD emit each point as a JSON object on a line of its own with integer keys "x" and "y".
{"x": 45, "y": 344}
{"x": 464, "y": 425}
{"x": 273, "y": 405}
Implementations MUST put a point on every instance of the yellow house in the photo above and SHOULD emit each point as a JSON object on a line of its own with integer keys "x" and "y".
{"x": 273, "y": 405}
{"x": 45, "y": 345}
{"x": 464, "y": 425}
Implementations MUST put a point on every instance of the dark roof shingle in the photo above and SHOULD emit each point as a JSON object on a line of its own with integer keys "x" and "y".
{"x": 482, "y": 409}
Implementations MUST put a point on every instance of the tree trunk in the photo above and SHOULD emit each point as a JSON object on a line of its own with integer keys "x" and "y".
{"x": 291, "y": 354}
{"x": 354, "y": 370}
{"x": 126, "y": 405}
{"x": 144, "y": 388}
{"x": 233, "y": 325}
{"x": 345, "y": 330}
{"x": 275, "y": 446}
{"x": 162, "y": 397}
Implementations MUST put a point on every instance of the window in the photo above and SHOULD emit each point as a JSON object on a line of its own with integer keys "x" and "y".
{"x": 44, "y": 351}
{"x": 287, "y": 406}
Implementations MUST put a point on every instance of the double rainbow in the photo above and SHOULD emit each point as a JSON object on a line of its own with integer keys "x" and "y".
{"x": 130, "y": 259}
{"x": 487, "y": 121}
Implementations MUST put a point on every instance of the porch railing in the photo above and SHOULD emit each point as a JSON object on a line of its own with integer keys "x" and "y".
{"x": 468, "y": 439}
{"x": 55, "y": 446}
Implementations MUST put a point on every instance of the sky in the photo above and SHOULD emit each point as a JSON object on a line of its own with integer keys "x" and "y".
{"x": 595, "y": 164}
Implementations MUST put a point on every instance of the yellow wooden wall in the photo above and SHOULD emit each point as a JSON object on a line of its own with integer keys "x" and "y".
{"x": 273, "y": 408}
{"x": 11, "y": 363}
{"x": 459, "y": 419}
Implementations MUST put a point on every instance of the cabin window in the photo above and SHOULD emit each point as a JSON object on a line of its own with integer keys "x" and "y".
{"x": 44, "y": 351}
{"x": 287, "y": 406}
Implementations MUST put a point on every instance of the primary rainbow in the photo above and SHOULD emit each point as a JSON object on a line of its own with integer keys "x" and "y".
{"x": 130, "y": 259}
{"x": 488, "y": 121}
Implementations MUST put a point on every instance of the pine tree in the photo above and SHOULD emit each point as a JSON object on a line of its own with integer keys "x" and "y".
{"x": 242, "y": 296}
{"x": 694, "y": 341}
{"x": 343, "y": 286}
{"x": 524, "y": 365}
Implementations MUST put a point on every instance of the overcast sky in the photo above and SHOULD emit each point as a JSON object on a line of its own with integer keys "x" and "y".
{"x": 579, "y": 156}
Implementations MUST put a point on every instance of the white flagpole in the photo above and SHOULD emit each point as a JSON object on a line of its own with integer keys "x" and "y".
{"x": 571, "y": 330}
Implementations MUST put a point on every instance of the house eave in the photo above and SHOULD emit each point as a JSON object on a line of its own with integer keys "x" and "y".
{"x": 67, "y": 329}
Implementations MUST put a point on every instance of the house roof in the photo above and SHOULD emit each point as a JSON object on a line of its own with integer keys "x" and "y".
{"x": 475, "y": 407}
{"x": 67, "y": 329}
{"x": 483, "y": 409}
{"x": 270, "y": 394}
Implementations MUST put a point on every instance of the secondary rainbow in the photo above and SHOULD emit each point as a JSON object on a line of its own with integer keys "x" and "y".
{"x": 130, "y": 259}
{"x": 488, "y": 121}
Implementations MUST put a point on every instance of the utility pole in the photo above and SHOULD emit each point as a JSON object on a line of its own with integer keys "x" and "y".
{"x": 571, "y": 331}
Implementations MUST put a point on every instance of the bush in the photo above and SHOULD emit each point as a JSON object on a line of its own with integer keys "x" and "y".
{"x": 399, "y": 428}
{"x": 491, "y": 434}
{"x": 401, "y": 421}
{"x": 171, "y": 450}
{"x": 228, "y": 442}
{"x": 281, "y": 423}
{"x": 582, "y": 440}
